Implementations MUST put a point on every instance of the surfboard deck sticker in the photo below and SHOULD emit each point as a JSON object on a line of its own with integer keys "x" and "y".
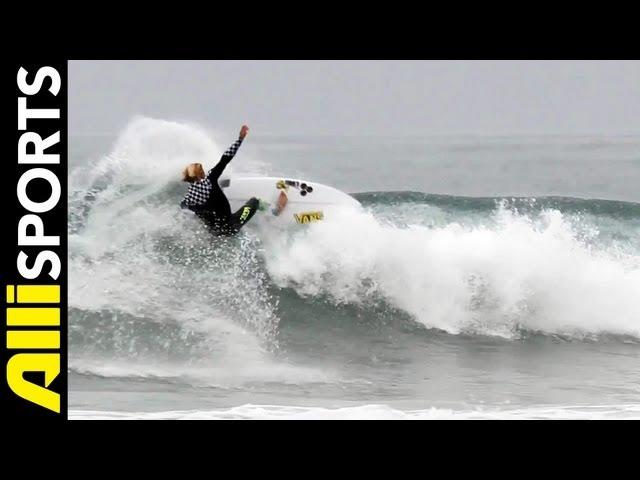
{"x": 308, "y": 217}
{"x": 308, "y": 201}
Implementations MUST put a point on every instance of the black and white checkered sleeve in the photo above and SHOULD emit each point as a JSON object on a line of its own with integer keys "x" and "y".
{"x": 231, "y": 151}
{"x": 198, "y": 193}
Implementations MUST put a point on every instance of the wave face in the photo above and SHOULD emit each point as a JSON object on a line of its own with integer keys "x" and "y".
{"x": 152, "y": 296}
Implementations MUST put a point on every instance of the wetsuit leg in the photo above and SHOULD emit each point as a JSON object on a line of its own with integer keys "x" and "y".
{"x": 244, "y": 214}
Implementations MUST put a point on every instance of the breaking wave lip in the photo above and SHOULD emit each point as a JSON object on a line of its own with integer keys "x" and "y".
{"x": 374, "y": 412}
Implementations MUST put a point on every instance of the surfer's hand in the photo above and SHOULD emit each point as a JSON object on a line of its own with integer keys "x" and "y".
{"x": 243, "y": 131}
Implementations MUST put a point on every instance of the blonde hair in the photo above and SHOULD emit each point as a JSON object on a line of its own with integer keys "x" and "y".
{"x": 185, "y": 175}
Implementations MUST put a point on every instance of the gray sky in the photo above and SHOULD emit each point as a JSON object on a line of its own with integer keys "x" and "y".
{"x": 361, "y": 97}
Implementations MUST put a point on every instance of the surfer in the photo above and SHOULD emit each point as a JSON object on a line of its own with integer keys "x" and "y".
{"x": 207, "y": 200}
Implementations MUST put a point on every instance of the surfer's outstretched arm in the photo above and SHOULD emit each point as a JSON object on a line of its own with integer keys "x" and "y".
{"x": 216, "y": 171}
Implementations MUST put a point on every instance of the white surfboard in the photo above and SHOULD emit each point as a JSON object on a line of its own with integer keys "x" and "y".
{"x": 308, "y": 201}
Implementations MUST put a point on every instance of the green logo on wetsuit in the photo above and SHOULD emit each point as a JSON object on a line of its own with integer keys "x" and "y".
{"x": 245, "y": 213}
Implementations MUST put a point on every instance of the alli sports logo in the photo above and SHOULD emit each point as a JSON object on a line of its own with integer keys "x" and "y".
{"x": 32, "y": 270}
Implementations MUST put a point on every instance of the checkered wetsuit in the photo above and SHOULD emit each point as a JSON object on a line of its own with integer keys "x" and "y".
{"x": 208, "y": 201}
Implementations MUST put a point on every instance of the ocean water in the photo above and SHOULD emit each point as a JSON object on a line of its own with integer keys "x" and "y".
{"x": 485, "y": 277}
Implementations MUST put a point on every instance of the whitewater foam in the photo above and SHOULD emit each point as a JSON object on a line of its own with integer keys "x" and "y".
{"x": 519, "y": 274}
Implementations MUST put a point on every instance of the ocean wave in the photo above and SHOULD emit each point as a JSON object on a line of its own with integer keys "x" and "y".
{"x": 147, "y": 282}
{"x": 526, "y": 205}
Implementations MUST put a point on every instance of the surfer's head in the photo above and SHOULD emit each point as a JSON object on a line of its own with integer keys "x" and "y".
{"x": 192, "y": 172}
